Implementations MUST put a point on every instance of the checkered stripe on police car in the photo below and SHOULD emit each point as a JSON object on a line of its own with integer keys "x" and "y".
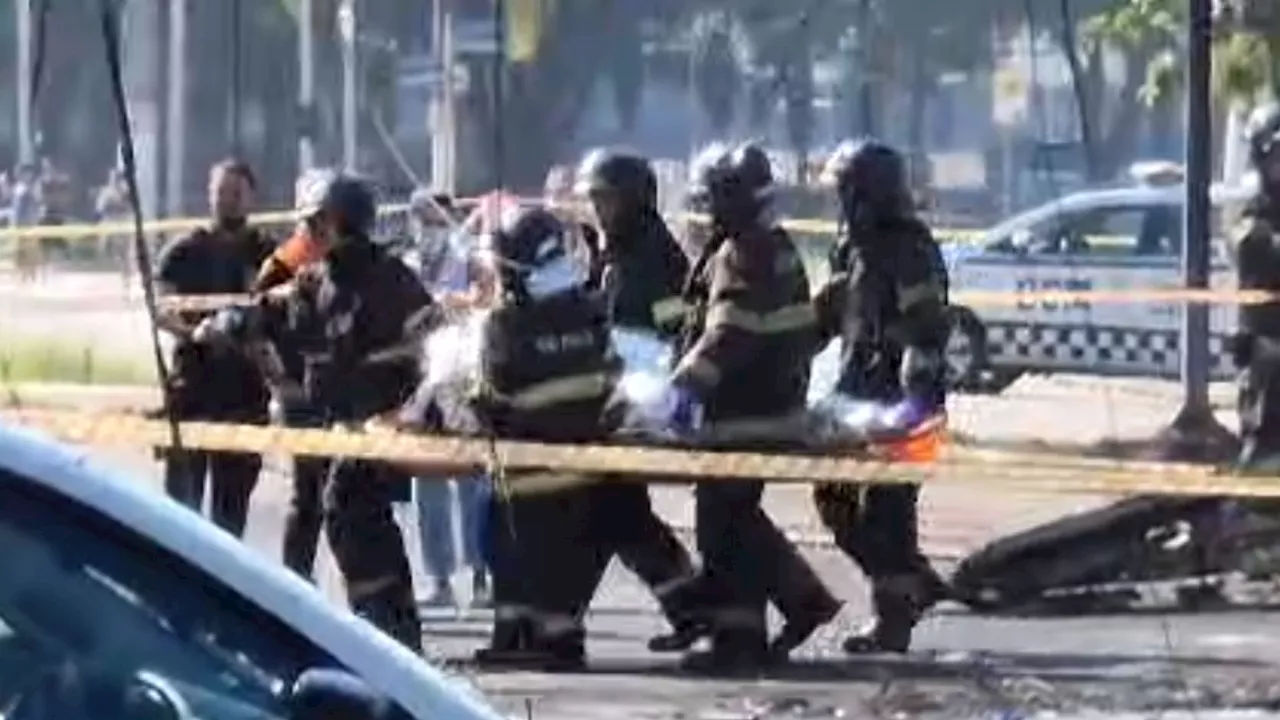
{"x": 1089, "y": 344}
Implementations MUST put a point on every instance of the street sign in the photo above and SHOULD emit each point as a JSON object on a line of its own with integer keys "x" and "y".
{"x": 1009, "y": 95}
{"x": 430, "y": 75}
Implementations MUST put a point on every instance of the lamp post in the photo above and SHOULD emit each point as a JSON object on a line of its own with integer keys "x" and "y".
{"x": 1195, "y": 434}
{"x": 26, "y": 149}
{"x": 306, "y": 85}
{"x": 347, "y": 29}
{"x": 176, "y": 107}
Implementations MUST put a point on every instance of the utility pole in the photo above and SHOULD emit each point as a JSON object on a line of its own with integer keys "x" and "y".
{"x": 1195, "y": 433}
{"x": 306, "y": 85}
{"x": 443, "y": 99}
{"x": 26, "y": 149}
{"x": 1195, "y": 252}
{"x": 435, "y": 113}
{"x": 176, "y": 142}
{"x": 347, "y": 26}
{"x": 450, "y": 69}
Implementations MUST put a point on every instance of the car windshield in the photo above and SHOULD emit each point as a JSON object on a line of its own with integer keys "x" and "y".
{"x": 87, "y": 609}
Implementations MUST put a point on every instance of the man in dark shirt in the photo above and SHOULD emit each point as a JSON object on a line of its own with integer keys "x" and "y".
{"x": 354, "y": 320}
{"x": 211, "y": 382}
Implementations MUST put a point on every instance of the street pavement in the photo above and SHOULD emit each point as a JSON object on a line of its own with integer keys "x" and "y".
{"x": 963, "y": 666}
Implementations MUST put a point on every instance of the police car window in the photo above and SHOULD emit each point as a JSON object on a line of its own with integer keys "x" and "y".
{"x": 1109, "y": 232}
{"x": 90, "y": 605}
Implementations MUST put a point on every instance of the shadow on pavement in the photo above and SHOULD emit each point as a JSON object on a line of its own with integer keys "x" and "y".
{"x": 1056, "y": 667}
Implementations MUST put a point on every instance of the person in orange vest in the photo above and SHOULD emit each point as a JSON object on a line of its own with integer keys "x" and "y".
{"x": 297, "y": 251}
{"x": 304, "y": 518}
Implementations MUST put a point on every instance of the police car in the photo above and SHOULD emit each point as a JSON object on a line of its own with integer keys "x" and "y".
{"x": 1111, "y": 239}
{"x": 106, "y": 586}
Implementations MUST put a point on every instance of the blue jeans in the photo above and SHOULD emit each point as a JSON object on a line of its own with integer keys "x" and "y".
{"x": 434, "y": 501}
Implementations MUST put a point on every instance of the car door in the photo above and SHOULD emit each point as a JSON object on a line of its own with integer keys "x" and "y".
{"x": 1115, "y": 249}
{"x": 996, "y": 269}
{"x": 88, "y": 606}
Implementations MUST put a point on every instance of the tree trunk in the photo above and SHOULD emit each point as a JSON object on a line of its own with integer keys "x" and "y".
{"x": 208, "y": 67}
{"x": 1116, "y": 124}
{"x": 275, "y": 90}
{"x": 921, "y": 85}
{"x": 67, "y": 95}
{"x": 542, "y": 101}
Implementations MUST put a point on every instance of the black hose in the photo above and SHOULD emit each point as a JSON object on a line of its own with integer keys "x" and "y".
{"x": 142, "y": 254}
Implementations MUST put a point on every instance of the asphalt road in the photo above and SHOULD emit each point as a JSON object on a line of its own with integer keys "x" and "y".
{"x": 964, "y": 666}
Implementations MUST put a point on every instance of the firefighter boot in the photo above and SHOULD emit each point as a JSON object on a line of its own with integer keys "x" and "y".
{"x": 560, "y": 649}
{"x": 797, "y": 630}
{"x": 391, "y": 609}
{"x": 535, "y": 642}
{"x": 739, "y": 645}
{"x": 899, "y": 601}
{"x": 684, "y": 604}
{"x": 510, "y": 641}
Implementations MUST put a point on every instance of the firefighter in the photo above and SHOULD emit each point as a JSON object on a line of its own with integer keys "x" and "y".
{"x": 742, "y": 375}
{"x": 886, "y": 300}
{"x": 548, "y": 373}
{"x": 209, "y": 382}
{"x": 358, "y": 316}
{"x": 636, "y": 257}
{"x": 303, "y": 520}
{"x": 631, "y": 242}
{"x": 1257, "y": 346}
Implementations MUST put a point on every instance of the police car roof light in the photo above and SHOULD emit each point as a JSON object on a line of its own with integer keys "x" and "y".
{"x": 1157, "y": 173}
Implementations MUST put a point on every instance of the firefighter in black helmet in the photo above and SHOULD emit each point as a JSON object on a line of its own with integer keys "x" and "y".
{"x": 640, "y": 269}
{"x": 887, "y": 302}
{"x": 1257, "y": 346}
{"x": 741, "y": 380}
{"x": 355, "y": 318}
{"x": 547, "y": 374}
{"x": 632, "y": 244}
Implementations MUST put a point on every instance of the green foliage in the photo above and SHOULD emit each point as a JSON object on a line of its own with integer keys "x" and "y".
{"x": 1243, "y": 65}
{"x": 1243, "y": 60}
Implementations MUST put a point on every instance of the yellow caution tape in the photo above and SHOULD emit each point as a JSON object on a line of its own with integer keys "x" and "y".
{"x": 83, "y": 231}
{"x": 966, "y": 298}
{"x": 1043, "y": 473}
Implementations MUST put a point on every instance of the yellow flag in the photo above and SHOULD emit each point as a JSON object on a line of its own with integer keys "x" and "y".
{"x": 525, "y": 20}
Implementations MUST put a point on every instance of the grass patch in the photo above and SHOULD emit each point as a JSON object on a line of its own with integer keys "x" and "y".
{"x": 25, "y": 360}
